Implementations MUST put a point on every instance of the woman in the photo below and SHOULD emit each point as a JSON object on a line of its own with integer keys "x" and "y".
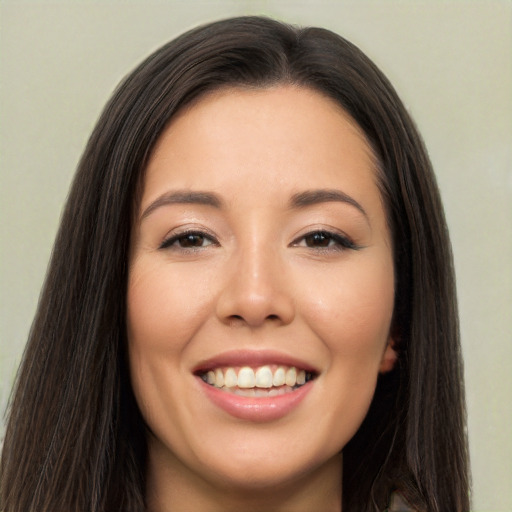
{"x": 251, "y": 299}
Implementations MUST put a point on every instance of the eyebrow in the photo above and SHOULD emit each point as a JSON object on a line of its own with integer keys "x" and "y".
{"x": 312, "y": 197}
{"x": 183, "y": 197}
{"x": 297, "y": 201}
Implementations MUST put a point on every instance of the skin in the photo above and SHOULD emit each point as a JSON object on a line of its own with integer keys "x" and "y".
{"x": 255, "y": 281}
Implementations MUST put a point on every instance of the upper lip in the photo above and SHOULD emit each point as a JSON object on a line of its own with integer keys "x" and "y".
{"x": 252, "y": 358}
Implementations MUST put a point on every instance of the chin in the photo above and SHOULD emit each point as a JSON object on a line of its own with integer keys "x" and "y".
{"x": 257, "y": 466}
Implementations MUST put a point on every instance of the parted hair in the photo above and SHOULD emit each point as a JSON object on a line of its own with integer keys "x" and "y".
{"x": 75, "y": 439}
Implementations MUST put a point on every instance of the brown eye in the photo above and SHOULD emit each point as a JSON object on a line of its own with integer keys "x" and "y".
{"x": 191, "y": 240}
{"x": 325, "y": 240}
{"x": 318, "y": 239}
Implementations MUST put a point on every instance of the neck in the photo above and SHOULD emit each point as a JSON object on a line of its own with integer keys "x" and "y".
{"x": 174, "y": 487}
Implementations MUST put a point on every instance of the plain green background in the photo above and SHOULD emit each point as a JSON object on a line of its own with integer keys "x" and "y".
{"x": 451, "y": 62}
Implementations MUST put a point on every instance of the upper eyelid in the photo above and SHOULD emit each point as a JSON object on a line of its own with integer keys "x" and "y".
{"x": 327, "y": 230}
{"x": 189, "y": 229}
{"x": 331, "y": 234}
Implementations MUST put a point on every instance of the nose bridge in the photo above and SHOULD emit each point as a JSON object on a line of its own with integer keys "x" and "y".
{"x": 257, "y": 269}
{"x": 256, "y": 290}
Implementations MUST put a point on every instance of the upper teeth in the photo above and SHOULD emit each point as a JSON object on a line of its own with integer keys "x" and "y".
{"x": 262, "y": 377}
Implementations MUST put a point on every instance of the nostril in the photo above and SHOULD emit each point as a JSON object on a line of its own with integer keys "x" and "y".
{"x": 240, "y": 304}
{"x": 237, "y": 319}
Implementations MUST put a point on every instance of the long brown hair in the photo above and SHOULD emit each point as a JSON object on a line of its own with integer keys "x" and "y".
{"x": 75, "y": 439}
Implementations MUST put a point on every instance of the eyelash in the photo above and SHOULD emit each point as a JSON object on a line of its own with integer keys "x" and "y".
{"x": 335, "y": 241}
{"x": 176, "y": 238}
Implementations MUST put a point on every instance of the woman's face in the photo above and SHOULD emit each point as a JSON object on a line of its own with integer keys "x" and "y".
{"x": 260, "y": 288}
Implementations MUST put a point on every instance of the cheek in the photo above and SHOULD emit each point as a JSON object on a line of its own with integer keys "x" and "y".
{"x": 351, "y": 315}
{"x": 163, "y": 313}
{"x": 164, "y": 309}
{"x": 351, "y": 311}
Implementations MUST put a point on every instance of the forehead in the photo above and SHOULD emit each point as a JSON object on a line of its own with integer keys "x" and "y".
{"x": 281, "y": 137}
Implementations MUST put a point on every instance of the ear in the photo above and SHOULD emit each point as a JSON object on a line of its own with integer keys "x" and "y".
{"x": 389, "y": 357}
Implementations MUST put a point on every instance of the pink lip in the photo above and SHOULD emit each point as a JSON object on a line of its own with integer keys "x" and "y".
{"x": 261, "y": 409}
{"x": 252, "y": 358}
{"x": 255, "y": 409}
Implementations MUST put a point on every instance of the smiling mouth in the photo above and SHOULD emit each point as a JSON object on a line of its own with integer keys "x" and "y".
{"x": 262, "y": 381}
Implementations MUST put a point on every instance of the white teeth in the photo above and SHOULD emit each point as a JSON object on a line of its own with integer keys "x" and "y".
{"x": 283, "y": 379}
{"x": 263, "y": 377}
{"x": 251, "y": 393}
{"x": 230, "y": 378}
{"x": 291, "y": 377}
{"x": 246, "y": 378}
{"x": 279, "y": 377}
{"x": 219, "y": 378}
{"x": 259, "y": 393}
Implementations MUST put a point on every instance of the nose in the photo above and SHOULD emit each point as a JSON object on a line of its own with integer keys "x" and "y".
{"x": 256, "y": 291}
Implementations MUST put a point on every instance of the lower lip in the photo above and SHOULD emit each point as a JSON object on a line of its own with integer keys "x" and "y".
{"x": 261, "y": 409}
